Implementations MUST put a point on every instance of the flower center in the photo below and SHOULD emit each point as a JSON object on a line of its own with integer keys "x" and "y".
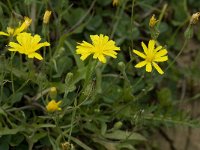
{"x": 150, "y": 58}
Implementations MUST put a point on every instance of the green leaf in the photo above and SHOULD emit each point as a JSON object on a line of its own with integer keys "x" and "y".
{"x": 38, "y": 136}
{"x": 16, "y": 97}
{"x": 16, "y": 139}
{"x": 80, "y": 143}
{"x": 94, "y": 23}
{"x": 124, "y": 135}
{"x": 7, "y": 131}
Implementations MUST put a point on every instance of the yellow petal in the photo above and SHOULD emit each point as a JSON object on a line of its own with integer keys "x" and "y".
{"x": 157, "y": 68}
{"x": 35, "y": 55}
{"x": 141, "y": 64}
{"x": 38, "y": 46}
{"x": 95, "y": 39}
{"x": 36, "y": 39}
{"x": 15, "y": 47}
{"x": 161, "y": 59}
{"x": 144, "y": 48}
{"x": 24, "y": 38}
{"x": 158, "y": 48}
{"x": 139, "y": 54}
{"x": 151, "y": 45}
{"x": 110, "y": 53}
{"x": 102, "y": 58}
{"x": 84, "y": 56}
{"x": 148, "y": 67}
{"x": 4, "y": 33}
{"x": 161, "y": 53}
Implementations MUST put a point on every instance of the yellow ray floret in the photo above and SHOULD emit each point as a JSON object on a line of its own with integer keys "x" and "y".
{"x": 28, "y": 45}
{"x": 14, "y": 32}
{"x": 151, "y": 56}
{"x": 101, "y": 46}
{"x": 53, "y": 106}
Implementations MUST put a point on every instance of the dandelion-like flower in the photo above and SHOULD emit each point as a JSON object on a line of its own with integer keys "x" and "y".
{"x": 46, "y": 16}
{"x": 28, "y": 45}
{"x": 151, "y": 56}
{"x": 53, "y": 106}
{"x": 101, "y": 46}
{"x": 14, "y": 32}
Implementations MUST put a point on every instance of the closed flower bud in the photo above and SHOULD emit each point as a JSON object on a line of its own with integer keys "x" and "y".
{"x": 121, "y": 66}
{"x": 53, "y": 92}
{"x": 118, "y": 125}
{"x": 46, "y": 17}
{"x": 153, "y": 21}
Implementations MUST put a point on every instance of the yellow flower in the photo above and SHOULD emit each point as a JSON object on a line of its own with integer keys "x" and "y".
{"x": 115, "y": 2}
{"x": 101, "y": 46}
{"x": 53, "y": 106}
{"x": 153, "y": 21}
{"x": 151, "y": 56}
{"x": 28, "y": 45}
{"x": 46, "y": 17}
{"x": 14, "y": 32}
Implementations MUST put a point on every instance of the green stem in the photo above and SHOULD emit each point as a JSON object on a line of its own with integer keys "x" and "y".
{"x": 72, "y": 120}
{"x": 118, "y": 18}
{"x": 11, "y": 75}
{"x": 180, "y": 52}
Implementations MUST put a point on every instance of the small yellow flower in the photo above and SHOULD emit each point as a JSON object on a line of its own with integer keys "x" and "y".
{"x": 53, "y": 106}
{"x": 46, "y": 17}
{"x": 28, "y": 45}
{"x": 115, "y": 2}
{"x": 151, "y": 56}
{"x": 101, "y": 46}
{"x": 14, "y": 32}
{"x": 153, "y": 21}
{"x": 195, "y": 17}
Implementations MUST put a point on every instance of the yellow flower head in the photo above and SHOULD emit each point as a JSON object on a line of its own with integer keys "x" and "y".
{"x": 14, "y": 32}
{"x": 46, "y": 17}
{"x": 28, "y": 45}
{"x": 115, "y": 2}
{"x": 151, "y": 56}
{"x": 195, "y": 17}
{"x": 153, "y": 21}
{"x": 53, "y": 106}
{"x": 101, "y": 46}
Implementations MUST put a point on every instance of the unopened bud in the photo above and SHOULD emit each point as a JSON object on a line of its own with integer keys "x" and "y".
{"x": 118, "y": 125}
{"x": 153, "y": 21}
{"x": 46, "y": 17}
{"x": 121, "y": 66}
{"x": 53, "y": 93}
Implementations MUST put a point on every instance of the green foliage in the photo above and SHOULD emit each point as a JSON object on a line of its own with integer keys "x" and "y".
{"x": 104, "y": 106}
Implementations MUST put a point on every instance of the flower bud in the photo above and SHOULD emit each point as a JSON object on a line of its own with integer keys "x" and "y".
{"x": 118, "y": 125}
{"x": 53, "y": 93}
{"x": 153, "y": 21}
{"x": 121, "y": 66}
{"x": 46, "y": 17}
